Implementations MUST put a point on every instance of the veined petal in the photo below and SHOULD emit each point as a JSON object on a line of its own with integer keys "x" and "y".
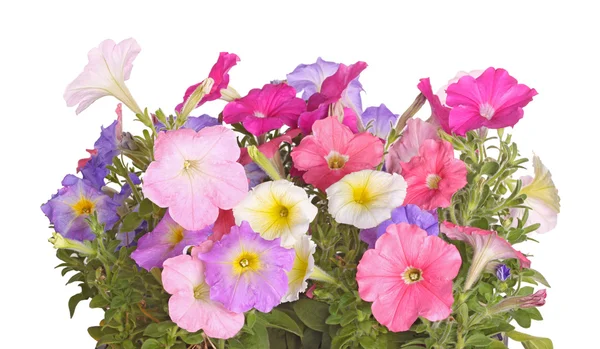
{"x": 304, "y": 264}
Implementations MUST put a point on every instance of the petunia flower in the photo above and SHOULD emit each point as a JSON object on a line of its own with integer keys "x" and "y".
{"x": 195, "y": 174}
{"x": 220, "y": 74}
{"x": 416, "y": 132}
{"x": 266, "y": 109}
{"x": 277, "y": 209}
{"x": 74, "y": 203}
{"x": 303, "y": 267}
{"x": 542, "y": 197}
{"x": 190, "y": 305}
{"x": 410, "y": 214}
{"x": 245, "y": 271}
{"x": 168, "y": 239}
{"x": 440, "y": 113}
{"x": 333, "y": 151}
{"x": 487, "y": 247}
{"x": 222, "y": 225}
{"x": 383, "y": 120}
{"x": 109, "y": 66}
{"x": 434, "y": 175}
{"x": 494, "y": 100}
{"x": 519, "y": 302}
{"x": 366, "y": 198}
{"x": 408, "y": 275}
{"x": 502, "y": 272}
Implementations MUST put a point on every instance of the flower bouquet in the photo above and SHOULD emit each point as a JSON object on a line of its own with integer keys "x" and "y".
{"x": 296, "y": 219}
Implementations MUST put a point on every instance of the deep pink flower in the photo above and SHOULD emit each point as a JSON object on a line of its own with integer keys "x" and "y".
{"x": 494, "y": 100}
{"x": 266, "y": 109}
{"x": 408, "y": 274}
{"x": 190, "y": 305}
{"x": 333, "y": 151}
{"x": 434, "y": 175}
{"x": 416, "y": 132}
{"x": 439, "y": 112}
{"x": 222, "y": 225}
{"x": 220, "y": 74}
{"x": 195, "y": 174}
{"x": 487, "y": 247}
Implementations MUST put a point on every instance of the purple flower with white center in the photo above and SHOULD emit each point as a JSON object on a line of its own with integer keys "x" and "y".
{"x": 502, "y": 272}
{"x": 382, "y": 119}
{"x": 195, "y": 123}
{"x": 245, "y": 271}
{"x": 410, "y": 214}
{"x": 309, "y": 78}
{"x": 167, "y": 240}
{"x": 68, "y": 209}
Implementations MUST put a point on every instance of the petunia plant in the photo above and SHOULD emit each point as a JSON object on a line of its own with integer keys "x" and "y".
{"x": 297, "y": 219}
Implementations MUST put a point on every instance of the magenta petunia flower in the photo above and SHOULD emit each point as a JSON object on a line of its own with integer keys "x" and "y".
{"x": 68, "y": 209}
{"x": 416, "y": 132}
{"x": 245, "y": 271}
{"x": 434, "y": 175}
{"x": 168, "y": 239}
{"x": 266, "y": 109}
{"x": 494, "y": 100}
{"x": 220, "y": 75}
{"x": 196, "y": 173}
{"x": 487, "y": 247}
{"x": 408, "y": 274}
{"x": 190, "y": 305}
{"x": 333, "y": 151}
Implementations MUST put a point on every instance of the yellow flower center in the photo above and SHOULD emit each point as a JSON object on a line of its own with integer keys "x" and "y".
{"x": 284, "y": 212}
{"x": 361, "y": 195}
{"x": 176, "y": 235}
{"x": 433, "y": 181}
{"x": 83, "y": 206}
{"x": 202, "y": 291}
{"x": 412, "y": 275}
{"x": 246, "y": 261}
{"x": 335, "y": 160}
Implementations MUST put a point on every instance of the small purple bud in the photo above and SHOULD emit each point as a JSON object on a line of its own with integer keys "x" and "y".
{"x": 502, "y": 272}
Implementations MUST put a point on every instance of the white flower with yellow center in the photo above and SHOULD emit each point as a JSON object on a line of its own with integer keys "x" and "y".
{"x": 304, "y": 265}
{"x": 542, "y": 197}
{"x": 366, "y": 198}
{"x": 277, "y": 209}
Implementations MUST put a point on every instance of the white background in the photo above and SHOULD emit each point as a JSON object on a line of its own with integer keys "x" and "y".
{"x": 551, "y": 47}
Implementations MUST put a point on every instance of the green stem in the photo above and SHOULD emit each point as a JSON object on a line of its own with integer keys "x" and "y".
{"x": 221, "y": 344}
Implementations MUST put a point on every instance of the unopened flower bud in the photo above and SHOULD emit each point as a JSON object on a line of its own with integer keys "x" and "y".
{"x": 128, "y": 142}
{"x": 61, "y": 242}
{"x": 533, "y": 300}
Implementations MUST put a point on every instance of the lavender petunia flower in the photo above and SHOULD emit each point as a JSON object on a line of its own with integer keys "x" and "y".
{"x": 255, "y": 174}
{"x": 309, "y": 78}
{"x": 502, "y": 272}
{"x": 195, "y": 123}
{"x": 167, "y": 240}
{"x": 77, "y": 200}
{"x": 411, "y": 214}
{"x": 382, "y": 120}
{"x": 245, "y": 271}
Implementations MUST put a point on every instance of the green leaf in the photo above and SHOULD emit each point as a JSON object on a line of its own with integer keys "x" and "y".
{"x": 478, "y": 340}
{"x": 490, "y": 168}
{"x": 250, "y": 319}
{"x": 463, "y": 314}
{"x": 73, "y": 301}
{"x": 333, "y": 319}
{"x": 95, "y": 332}
{"x": 278, "y": 319}
{"x": 192, "y": 338}
{"x": 157, "y": 330}
{"x": 522, "y": 318}
{"x": 367, "y": 342}
{"x": 347, "y": 318}
{"x": 530, "y": 342}
{"x": 311, "y": 338}
{"x": 260, "y": 339}
{"x": 537, "y": 276}
{"x": 312, "y": 313}
{"x": 99, "y": 302}
{"x": 497, "y": 345}
{"x": 131, "y": 222}
{"x": 146, "y": 208}
{"x": 151, "y": 343}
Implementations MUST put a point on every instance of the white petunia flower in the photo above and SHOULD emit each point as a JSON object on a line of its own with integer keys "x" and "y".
{"x": 304, "y": 265}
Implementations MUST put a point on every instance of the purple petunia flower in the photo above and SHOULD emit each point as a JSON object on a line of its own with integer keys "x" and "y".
{"x": 68, "y": 209}
{"x": 245, "y": 271}
{"x": 502, "y": 272}
{"x": 255, "y": 174}
{"x": 195, "y": 123}
{"x": 167, "y": 240}
{"x": 410, "y": 214}
{"x": 382, "y": 120}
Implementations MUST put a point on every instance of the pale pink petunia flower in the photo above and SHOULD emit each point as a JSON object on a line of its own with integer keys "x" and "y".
{"x": 190, "y": 305}
{"x": 434, "y": 175}
{"x": 408, "y": 275}
{"x": 109, "y": 66}
{"x": 416, "y": 132}
{"x": 487, "y": 247}
{"x": 333, "y": 151}
{"x": 195, "y": 174}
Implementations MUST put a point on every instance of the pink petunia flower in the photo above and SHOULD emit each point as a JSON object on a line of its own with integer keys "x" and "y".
{"x": 434, "y": 175}
{"x": 494, "y": 100}
{"x": 440, "y": 113}
{"x": 109, "y": 66}
{"x": 333, "y": 151}
{"x": 487, "y": 247}
{"x": 408, "y": 274}
{"x": 266, "y": 109}
{"x": 270, "y": 148}
{"x": 190, "y": 305}
{"x": 220, "y": 74}
{"x": 195, "y": 174}
{"x": 222, "y": 225}
{"x": 417, "y": 131}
